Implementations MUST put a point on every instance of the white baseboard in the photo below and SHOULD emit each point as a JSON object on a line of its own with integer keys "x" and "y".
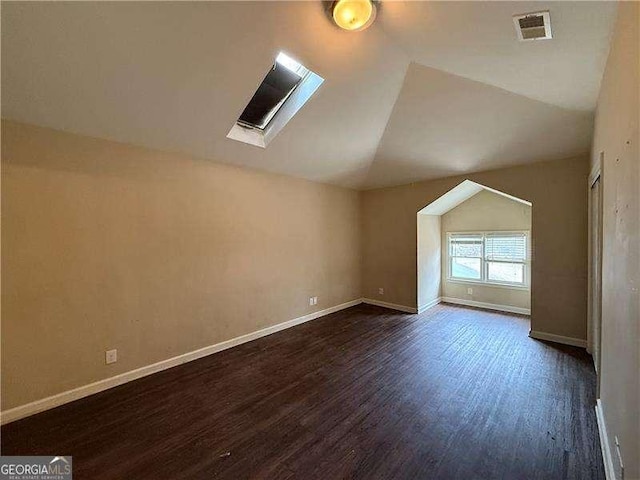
{"x": 551, "y": 337}
{"x": 430, "y": 304}
{"x": 607, "y": 457}
{"x": 393, "y": 306}
{"x": 53, "y": 401}
{"x": 488, "y": 306}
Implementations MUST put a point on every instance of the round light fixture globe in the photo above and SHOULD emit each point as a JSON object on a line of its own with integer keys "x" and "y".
{"x": 354, "y": 15}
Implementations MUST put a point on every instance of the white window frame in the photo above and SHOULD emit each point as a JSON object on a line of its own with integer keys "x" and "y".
{"x": 484, "y": 263}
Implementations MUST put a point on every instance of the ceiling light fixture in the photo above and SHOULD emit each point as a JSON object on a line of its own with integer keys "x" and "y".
{"x": 354, "y": 15}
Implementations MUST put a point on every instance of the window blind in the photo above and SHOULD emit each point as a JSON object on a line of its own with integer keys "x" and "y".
{"x": 506, "y": 247}
{"x": 465, "y": 245}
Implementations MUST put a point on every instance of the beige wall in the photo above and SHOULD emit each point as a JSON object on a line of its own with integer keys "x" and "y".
{"x": 429, "y": 254}
{"x": 106, "y": 246}
{"x": 559, "y": 218}
{"x": 112, "y": 246}
{"x": 617, "y": 135}
{"x": 485, "y": 211}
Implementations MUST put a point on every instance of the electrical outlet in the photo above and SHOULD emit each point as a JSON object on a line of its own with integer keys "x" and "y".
{"x": 315, "y": 300}
{"x": 381, "y": 291}
{"x": 111, "y": 356}
{"x": 311, "y": 301}
{"x": 470, "y": 291}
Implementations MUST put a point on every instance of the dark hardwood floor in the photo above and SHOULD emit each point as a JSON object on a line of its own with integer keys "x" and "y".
{"x": 366, "y": 393}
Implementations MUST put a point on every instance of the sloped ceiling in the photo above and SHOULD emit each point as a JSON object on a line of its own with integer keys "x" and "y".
{"x": 445, "y": 125}
{"x": 476, "y": 40}
{"x": 431, "y": 89}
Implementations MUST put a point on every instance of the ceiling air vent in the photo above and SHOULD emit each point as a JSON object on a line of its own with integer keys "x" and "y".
{"x": 533, "y": 26}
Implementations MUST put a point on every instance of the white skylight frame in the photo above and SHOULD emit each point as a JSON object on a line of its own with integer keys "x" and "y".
{"x": 285, "y": 110}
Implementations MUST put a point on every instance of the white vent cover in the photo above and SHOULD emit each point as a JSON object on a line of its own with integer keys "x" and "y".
{"x": 533, "y": 26}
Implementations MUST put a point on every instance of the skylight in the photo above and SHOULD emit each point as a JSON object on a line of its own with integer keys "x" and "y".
{"x": 288, "y": 62}
{"x": 274, "y": 90}
{"x": 287, "y": 86}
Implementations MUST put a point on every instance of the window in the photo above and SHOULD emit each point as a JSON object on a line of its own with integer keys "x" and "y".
{"x": 465, "y": 252}
{"x": 285, "y": 75}
{"x": 490, "y": 257}
{"x": 287, "y": 86}
{"x": 506, "y": 257}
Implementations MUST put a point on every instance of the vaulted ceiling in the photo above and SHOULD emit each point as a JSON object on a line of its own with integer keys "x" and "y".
{"x": 431, "y": 89}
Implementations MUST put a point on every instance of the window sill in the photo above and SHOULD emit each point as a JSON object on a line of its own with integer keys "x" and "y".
{"x": 488, "y": 284}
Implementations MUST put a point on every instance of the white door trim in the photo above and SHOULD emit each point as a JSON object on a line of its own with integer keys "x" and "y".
{"x": 594, "y": 176}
